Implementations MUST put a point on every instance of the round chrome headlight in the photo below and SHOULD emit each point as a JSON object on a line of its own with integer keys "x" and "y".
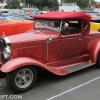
{"x": 7, "y": 52}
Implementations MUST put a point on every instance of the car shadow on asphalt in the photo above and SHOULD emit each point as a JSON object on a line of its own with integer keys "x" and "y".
{"x": 46, "y": 77}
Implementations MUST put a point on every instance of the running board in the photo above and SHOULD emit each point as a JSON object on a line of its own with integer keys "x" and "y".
{"x": 78, "y": 67}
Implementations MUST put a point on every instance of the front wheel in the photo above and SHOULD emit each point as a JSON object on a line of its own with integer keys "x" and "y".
{"x": 22, "y": 79}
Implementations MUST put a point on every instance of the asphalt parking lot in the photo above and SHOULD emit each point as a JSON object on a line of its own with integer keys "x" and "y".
{"x": 81, "y": 85}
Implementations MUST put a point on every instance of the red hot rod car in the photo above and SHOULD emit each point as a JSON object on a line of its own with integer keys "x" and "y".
{"x": 15, "y": 26}
{"x": 61, "y": 45}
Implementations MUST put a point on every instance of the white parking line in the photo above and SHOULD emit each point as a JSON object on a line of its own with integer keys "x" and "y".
{"x": 73, "y": 88}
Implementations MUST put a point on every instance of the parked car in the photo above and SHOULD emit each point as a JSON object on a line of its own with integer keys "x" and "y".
{"x": 95, "y": 22}
{"x": 15, "y": 26}
{"x": 11, "y": 13}
{"x": 50, "y": 48}
{"x": 96, "y": 19}
{"x": 95, "y": 16}
{"x": 42, "y": 12}
{"x": 29, "y": 18}
{"x": 95, "y": 26}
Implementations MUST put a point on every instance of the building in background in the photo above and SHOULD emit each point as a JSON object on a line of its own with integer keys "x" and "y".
{"x": 69, "y": 7}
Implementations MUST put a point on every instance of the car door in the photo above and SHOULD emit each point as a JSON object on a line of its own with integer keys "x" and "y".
{"x": 70, "y": 45}
{"x": 53, "y": 50}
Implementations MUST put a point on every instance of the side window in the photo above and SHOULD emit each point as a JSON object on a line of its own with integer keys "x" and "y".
{"x": 85, "y": 25}
{"x": 71, "y": 27}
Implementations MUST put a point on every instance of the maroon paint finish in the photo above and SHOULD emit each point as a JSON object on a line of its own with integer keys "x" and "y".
{"x": 70, "y": 46}
{"x": 63, "y": 51}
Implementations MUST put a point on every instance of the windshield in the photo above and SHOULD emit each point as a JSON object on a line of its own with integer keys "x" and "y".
{"x": 50, "y": 24}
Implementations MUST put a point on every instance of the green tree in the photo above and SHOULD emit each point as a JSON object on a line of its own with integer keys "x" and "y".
{"x": 2, "y": 0}
{"x": 42, "y": 3}
{"x": 55, "y": 4}
{"x": 13, "y": 4}
{"x": 80, "y": 3}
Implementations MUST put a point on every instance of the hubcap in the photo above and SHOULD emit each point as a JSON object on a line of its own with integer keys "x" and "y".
{"x": 24, "y": 78}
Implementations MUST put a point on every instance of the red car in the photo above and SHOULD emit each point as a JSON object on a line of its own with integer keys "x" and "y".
{"x": 15, "y": 26}
{"x": 61, "y": 45}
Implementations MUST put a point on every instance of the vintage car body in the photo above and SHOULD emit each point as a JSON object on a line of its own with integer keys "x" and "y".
{"x": 48, "y": 47}
{"x": 15, "y": 26}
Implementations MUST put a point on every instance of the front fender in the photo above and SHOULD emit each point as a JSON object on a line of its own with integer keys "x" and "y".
{"x": 19, "y": 62}
{"x": 24, "y": 61}
{"x": 94, "y": 51}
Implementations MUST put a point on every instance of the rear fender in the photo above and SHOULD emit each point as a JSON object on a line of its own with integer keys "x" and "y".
{"x": 94, "y": 51}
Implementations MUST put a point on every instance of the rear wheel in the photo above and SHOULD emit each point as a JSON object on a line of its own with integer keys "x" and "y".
{"x": 98, "y": 61}
{"x": 22, "y": 79}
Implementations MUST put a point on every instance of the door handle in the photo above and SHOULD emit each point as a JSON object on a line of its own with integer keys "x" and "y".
{"x": 80, "y": 39}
